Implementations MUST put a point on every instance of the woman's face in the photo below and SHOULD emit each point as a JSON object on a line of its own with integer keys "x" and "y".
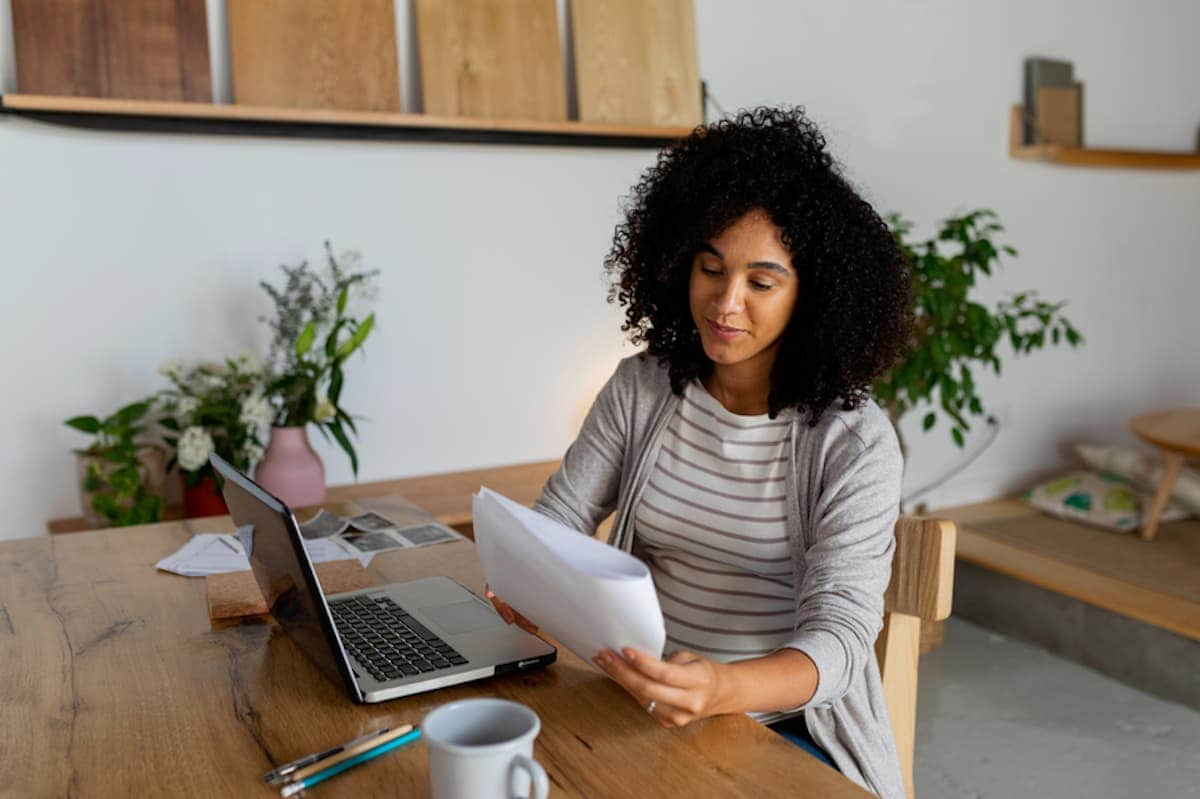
{"x": 742, "y": 291}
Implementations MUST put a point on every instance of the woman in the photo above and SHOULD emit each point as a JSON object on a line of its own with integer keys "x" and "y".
{"x": 744, "y": 460}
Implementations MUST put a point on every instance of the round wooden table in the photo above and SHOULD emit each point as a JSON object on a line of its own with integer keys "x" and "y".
{"x": 1177, "y": 434}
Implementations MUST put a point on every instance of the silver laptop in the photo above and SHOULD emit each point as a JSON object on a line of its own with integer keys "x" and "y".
{"x": 384, "y": 642}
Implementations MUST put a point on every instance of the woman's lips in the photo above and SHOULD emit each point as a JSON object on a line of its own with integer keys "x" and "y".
{"x": 722, "y": 332}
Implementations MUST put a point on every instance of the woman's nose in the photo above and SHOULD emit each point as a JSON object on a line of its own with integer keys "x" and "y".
{"x": 729, "y": 301}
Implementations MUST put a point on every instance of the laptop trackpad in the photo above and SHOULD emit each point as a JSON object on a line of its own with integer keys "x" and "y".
{"x": 462, "y": 617}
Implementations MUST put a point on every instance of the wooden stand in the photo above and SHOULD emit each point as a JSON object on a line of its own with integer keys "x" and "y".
{"x": 1087, "y": 156}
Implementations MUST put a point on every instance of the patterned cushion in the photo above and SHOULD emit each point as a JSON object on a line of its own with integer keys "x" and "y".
{"x": 1143, "y": 470}
{"x": 1098, "y": 498}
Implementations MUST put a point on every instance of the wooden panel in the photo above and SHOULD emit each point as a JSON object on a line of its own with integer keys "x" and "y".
{"x": 635, "y": 62}
{"x": 897, "y": 651}
{"x": 315, "y": 54}
{"x": 116, "y": 684}
{"x": 135, "y": 49}
{"x": 491, "y": 58}
{"x": 1115, "y": 572}
{"x": 922, "y": 583}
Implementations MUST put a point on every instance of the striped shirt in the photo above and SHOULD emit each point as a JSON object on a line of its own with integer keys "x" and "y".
{"x": 711, "y": 526}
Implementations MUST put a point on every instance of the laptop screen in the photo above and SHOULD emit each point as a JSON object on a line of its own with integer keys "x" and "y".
{"x": 283, "y": 571}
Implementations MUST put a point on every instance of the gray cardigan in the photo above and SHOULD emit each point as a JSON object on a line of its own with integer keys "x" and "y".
{"x": 843, "y": 498}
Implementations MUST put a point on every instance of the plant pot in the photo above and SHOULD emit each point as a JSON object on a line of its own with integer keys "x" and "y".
{"x": 203, "y": 498}
{"x": 152, "y": 467}
{"x": 290, "y": 469}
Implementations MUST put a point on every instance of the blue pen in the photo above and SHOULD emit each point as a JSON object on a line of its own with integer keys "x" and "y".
{"x": 294, "y": 788}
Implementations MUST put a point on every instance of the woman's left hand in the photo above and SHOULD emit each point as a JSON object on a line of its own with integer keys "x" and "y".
{"x": 684, "y": 687}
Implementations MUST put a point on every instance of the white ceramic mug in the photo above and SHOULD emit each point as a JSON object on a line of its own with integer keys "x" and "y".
{"x": 483, "y": 749}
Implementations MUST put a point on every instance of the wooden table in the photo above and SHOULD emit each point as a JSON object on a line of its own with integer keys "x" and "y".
{"x": 115, "y": 683}
{"x": 1177, "y": 434}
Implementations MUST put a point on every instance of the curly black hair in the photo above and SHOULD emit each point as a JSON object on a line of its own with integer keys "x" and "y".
{"x": 852, "y": 317}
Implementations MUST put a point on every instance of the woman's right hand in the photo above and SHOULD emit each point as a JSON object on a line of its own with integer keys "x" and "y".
{"x": 508, "y": 614}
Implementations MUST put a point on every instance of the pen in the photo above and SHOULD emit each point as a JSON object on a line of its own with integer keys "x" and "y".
{"x": 293, "y": 788}
{"x": 276, "y": 776}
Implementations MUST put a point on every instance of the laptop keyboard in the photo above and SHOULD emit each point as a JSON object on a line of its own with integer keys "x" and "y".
{"x": 388, "y": 642}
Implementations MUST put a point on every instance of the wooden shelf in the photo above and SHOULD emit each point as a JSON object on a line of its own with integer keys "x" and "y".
{"x": 1087, "y": 156}
{"x": 213, "y": 118}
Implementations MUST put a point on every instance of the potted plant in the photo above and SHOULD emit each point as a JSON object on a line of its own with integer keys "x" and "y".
{"x": 313, "y": 335}
{"x": 120, "y": 479}
{"x": 953, "y": 331}
{"x": 212, "y": 407}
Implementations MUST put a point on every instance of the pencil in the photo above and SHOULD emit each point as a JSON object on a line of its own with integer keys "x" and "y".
{"x": 350, "y": 752}
{"x": 293, "y": 788}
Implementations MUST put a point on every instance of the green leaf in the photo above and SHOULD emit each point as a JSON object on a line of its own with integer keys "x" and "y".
{"x": 131, "y": 413}
{"x": 957, "y": 435}
{"x": 125, "y": 479}
{"x": 84, "y": 424}
{"x": 335, "y": 428}
{"x": 304, "y": 341}
{"x": 929, "y": 420}
{"x": 356, "y": 340}
{"x": 168, "y": 422}
{"x": 341, "y": 300}
{"x": 106, "y": 506}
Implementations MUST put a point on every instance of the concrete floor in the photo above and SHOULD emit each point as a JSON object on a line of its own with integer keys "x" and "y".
{"x": 998, "y": 718}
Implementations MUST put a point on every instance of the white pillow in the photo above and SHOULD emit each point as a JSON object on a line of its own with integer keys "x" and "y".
{"x": 1142, "y": 470}
{"x": 1098, "y": 498}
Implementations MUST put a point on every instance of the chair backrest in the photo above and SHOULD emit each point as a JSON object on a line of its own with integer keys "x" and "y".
{"x": 921, "y": 589}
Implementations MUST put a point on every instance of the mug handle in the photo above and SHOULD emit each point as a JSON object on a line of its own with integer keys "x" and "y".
{"x": 537, "y": 776}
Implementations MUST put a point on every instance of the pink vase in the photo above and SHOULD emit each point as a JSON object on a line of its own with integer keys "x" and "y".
{"x": 290, "y": 469}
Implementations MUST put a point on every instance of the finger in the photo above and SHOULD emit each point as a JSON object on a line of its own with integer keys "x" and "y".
{"x": 681, "y": 657}
{"x": 636, "y": 683}
{"x": 668, "y": 672}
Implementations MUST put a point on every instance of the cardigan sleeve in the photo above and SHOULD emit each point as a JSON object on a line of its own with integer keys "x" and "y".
{"x": 839, "y": 601}
{"x": 583, "y": 491}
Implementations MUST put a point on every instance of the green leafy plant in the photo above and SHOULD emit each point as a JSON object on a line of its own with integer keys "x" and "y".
{"x": 953, "y": 331}
{"x": 114, "y": 476}
{"x": 313, "y": 335}
{"x": 213, "y": 407}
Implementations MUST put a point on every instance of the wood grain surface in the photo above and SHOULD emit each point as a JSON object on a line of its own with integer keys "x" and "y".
{"x": 133, "y": 49}
{"x": 635, "y": 62}
{"x": 491, "y": 58}
{"x": 315, "y": 54}
{"x": 117, "y": 684}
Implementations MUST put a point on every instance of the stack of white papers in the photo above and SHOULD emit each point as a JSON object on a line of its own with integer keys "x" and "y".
{"x": 218, "y": 553}
{"x": 588, "y": 595}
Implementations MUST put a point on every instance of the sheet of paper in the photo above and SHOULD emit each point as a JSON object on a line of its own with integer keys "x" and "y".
{"x": 588, "y": 595}
{"x": 218, "y": 553}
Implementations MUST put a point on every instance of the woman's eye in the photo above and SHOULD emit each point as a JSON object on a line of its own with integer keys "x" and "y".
{"x": 761, "y": 286}
{"x": 710, "y": 271}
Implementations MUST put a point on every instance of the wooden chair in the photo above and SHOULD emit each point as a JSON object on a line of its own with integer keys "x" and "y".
{"x": 921, "y": 589}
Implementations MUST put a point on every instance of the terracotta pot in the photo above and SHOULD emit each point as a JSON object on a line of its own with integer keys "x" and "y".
{"x": 290, "y": 469}
{"x": 203, "y": 498}
{"x": 152, "y": 466}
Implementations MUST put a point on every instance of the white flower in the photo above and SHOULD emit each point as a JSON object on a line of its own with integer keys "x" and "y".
{"x": 252, "y": 452}
{"x": 170, "y": 367}
{"x": 248, "y": 364}
{"x": 186, "y": 407}
{"x": 194, "y": 447}
{"x": 256, "y": 411}
{"x": 210, "y": 381}
{"x": 324, "y": 410}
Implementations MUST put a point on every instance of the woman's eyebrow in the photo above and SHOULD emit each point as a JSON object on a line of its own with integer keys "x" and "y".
{"x": 771, "y": 265}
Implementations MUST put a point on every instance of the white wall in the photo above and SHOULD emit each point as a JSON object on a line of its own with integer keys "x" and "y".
{"x": 121, "y": 250}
